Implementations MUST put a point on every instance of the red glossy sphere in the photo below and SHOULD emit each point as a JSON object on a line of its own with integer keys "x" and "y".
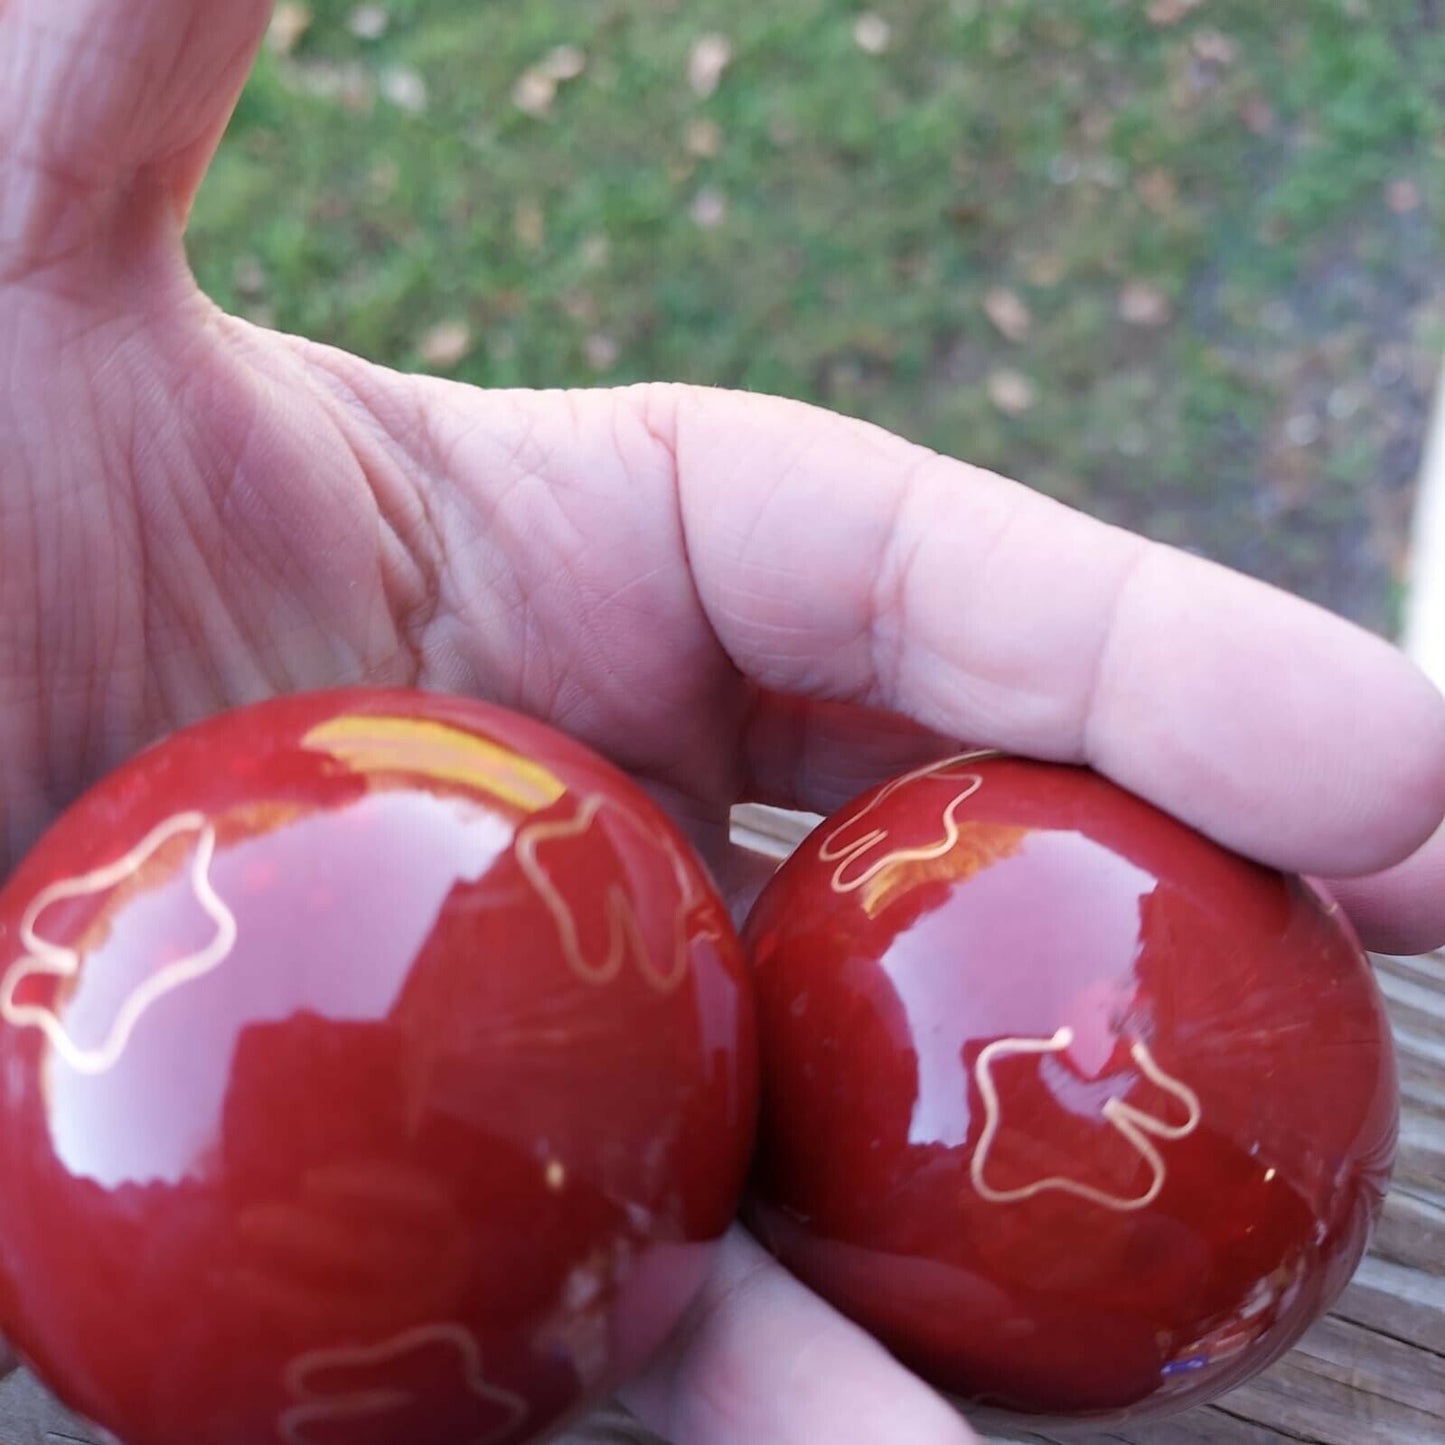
{"x": 1077, "y": 1112}
{"x": 374, "y": 1067}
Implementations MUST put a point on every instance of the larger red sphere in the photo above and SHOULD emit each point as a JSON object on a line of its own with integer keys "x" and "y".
{"x": 374, "y": 1067}
{"x": 1079, "y": 1113}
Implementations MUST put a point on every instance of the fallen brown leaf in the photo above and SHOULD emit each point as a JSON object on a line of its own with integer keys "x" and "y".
{"x": 1142, "y": 303}
{"x": 368, "y": 22}
{"x": 1011, "y": 391}
{"x": 1170, "y": 12}
{"x": 601, "y": 352}
{"x": 405, "y": 89}
{"x": 445, "y": 344}
{"x": 709, "y": 208}
{"x": 534, "y": 92}
{"x": 565, "y": 62}
{"x": 1009, "y": 313}
{"x": 872, "y": 33}
{"x": 709, "y": 58}
{"x": 289, "y": 22}
{"x": 1213, "y": 47}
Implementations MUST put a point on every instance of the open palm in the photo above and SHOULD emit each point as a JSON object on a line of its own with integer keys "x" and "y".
{"x": 732, "y": 597}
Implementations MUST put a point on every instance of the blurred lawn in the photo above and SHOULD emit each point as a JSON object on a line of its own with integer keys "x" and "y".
{"x": 1180, "y": 262}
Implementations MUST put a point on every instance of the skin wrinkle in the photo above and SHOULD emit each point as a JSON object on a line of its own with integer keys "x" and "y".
{"x": 414, "y": 558}
{"x": 177, "y": 511}
{"x": 754, "y": 627}
{"x": 655, "y": 410}
{"x": 493, "y": 511}
{"x": 888, "y": 600}
{"x": 407, "y": 558}
{"x": 45, "y": 233}
{"x": 1092, "y": 739}
{"x": 558, "y": 508}
{"x": 804, "y": 455}
{"x": 83, "y": 544}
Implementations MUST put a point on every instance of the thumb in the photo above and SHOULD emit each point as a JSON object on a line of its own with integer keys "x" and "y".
{"x": 110, "y": 109}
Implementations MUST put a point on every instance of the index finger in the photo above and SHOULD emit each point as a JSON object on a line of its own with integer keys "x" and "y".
{"x": 835, "y": 560}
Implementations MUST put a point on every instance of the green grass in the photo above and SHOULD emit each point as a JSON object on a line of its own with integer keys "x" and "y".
{"x": 1233, "y": 168}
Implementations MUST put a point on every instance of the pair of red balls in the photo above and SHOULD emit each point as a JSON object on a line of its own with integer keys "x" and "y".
{"x": 380, "y": 1066}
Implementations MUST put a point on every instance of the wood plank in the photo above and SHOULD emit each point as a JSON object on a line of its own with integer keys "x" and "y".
{"x": 1405, "y": 1304}
{"x": 1375, "y": 1364}
{"x": 1302, "y": 1402}
{"x": 1206, "y": 1426}
{"x": 1411, "y": 1232}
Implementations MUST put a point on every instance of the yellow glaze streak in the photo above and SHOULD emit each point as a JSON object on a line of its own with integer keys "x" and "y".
{"x": 977, "y": 846}
{"x": 438, "y": 751}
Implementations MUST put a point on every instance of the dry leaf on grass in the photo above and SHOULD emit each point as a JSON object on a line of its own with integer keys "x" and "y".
{"x": 1170, "y": 12}
{"x": 872, "y": 33}
{"x": 709, "y": 58}
{"x": 404, "y": 88}
{"x": 445, "y": 344}
{"x": 601, "y": 352}
{"x": 1011, "y": 391}
{"x": 534, "y": 92}
{"x": 1142, "y": 303}
{"x": 368, "y": 22}
{"x": 1213, "y": 47}
{"x": 564, "y": 62}
{"x": 537, "y": 86}
{"x": 288, "y": 24}
{"x": 1009, "y": 313}
{"x": 709, "y": 209}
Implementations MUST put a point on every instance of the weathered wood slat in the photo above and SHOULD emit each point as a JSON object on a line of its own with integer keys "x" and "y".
{"x": 1397, "y": 1301}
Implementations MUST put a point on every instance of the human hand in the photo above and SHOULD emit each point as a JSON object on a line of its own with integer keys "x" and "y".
{"x": 731, "y": 596}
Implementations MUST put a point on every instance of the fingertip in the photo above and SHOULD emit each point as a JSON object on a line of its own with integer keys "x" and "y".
{"x": 1402, "y": 909}
{"x": 1307, "y": 743}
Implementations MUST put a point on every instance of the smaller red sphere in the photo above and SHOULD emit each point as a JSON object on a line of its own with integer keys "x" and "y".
{"x": 374, "y": 1067}
{"x": 1077, "y": 1112}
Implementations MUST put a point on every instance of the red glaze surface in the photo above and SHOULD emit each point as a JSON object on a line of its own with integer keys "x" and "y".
{"x": 374, "y": 1067}
{"x": 1078, "y": 1113}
